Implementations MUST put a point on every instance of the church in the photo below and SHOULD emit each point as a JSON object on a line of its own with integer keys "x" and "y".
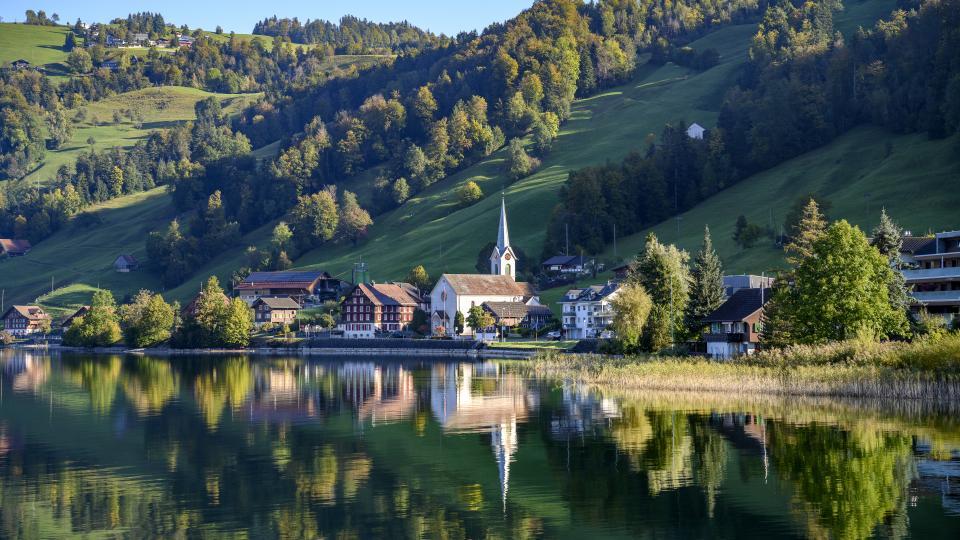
{"x": 460, "y": 292}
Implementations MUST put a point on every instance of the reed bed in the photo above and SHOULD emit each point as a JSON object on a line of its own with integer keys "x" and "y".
{"x": 928, "y": 370}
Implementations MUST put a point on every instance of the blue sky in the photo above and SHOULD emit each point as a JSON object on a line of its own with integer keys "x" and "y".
{"x": 447, "y": 16}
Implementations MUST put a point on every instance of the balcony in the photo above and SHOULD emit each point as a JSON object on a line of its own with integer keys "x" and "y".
{"x": 733, "y": 337}
{"x": 937, "y": 298}
{"x": 931, "y": 275}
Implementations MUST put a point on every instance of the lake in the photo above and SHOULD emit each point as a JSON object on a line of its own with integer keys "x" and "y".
{"x": 134, "y": 446}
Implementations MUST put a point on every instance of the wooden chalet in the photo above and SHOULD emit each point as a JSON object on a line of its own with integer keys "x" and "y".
{"x": 14, "y": 248}
{"x": 275, "y": 310}
{"x": 25, "y": 320}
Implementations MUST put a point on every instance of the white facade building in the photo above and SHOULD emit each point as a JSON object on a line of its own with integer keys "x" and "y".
{"x": 695, "y": 131}
{"x": 587, "y": 312}
{"x": 459, "y": 292}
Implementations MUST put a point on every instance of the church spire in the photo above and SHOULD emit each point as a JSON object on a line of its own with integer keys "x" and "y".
{"x": 503, "y": 235}
{"x": 503, "y": 262}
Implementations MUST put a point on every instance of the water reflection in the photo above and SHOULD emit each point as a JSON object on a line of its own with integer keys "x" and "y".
{"x": 136, "y": 446}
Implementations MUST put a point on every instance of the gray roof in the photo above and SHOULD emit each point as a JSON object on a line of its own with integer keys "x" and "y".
{"x": 741, "y": 305}
{"x": 278, "y": 302}
{"x": 592, "y": 293}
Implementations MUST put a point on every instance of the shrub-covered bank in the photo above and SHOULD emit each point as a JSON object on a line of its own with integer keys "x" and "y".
{"x": 922, "y": 370}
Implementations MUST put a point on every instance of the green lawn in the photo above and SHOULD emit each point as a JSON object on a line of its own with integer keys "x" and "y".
{"x": 79, "y": 259}
{"x": 38, "y": 45}
{"x": 161, "y": 107}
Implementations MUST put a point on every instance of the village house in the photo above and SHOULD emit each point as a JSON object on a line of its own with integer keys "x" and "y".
{"x": 163, "y": 42}
{"x": 126, "y": 263}
{"x": 732, "y": 284}
{"x": 566, "y": 264}
{"x": 20, "y": 64}
{"x": 14, "y": 248}
{"x": 696, "y": 131}
{"x": 455, "y": 293}
{"x": 139, "y": 38}
{"x": 112, "y": 65}
{"x": 518, "y": 314}
{"x": 68, "y": 322}
{"x": 735, "y": 326}
{"x": 297, "y": 284}
{"x": 185, "y": 41}
{"x": 190, "y": 310}
{"x": 22, "y": 321}
{"x": 932, "y": 270}
{"x": 372, "y": 308}
{"x": 277, "y": 310}
{"x": 587, "y": 312}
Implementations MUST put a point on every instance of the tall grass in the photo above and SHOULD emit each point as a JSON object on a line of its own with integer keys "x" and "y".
{"x": 928, "y": 370}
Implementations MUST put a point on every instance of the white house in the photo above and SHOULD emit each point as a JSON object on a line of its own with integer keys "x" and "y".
{"x": 695, "y": 131}
{"x": 459, "y": 292}
{"x": 587, "y": 312}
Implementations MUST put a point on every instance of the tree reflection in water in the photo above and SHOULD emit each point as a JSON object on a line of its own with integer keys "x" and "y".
{"x": 142, "y": 446}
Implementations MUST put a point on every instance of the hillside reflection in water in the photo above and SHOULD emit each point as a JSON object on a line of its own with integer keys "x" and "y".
{"x": 265, "y": 447}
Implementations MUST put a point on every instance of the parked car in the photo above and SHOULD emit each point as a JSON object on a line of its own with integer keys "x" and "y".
{"x": 554, "y": 335}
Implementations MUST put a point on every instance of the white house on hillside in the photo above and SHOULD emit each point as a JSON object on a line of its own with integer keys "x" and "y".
{"x": 695, "y": 131}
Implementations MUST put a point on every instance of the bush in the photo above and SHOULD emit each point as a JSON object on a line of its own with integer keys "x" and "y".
{"x": 6, "y": 338}
{"x": 469, "y": 193}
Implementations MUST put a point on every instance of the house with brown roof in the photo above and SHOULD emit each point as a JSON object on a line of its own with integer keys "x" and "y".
{"x": 518, "y": 314}
{"x": 371, "y": 308}
{"x": 25, "y": 320}
{"x": 69, "y": 320}
{"x": 14, "y": 248}
{"x": 735, "y": 326}
{"x": 297, "y": 284}
{"x": 280, "y": 310}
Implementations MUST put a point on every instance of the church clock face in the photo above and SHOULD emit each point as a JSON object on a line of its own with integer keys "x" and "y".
{"x": 507, "y": 256}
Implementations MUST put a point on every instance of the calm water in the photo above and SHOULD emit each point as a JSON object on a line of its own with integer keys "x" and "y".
{"x": 202, "y": 447}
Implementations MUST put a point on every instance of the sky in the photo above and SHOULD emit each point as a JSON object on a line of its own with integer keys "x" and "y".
{"x": 446, "y": 16}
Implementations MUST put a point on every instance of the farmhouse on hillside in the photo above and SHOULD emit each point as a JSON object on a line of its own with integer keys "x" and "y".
{"x": 69, "y": 320}
{"x": 566, "y": 264}
{"x": 457, "y": 293}
{"x": 279, "y": 310}
{"x": 126, "y": 263}
{"x": 695, "y": 131}
{"x": 25, "y": 320}
{"x": 14, "y": 248}
{"x": 377, "y": 307}
{"x": 735, "y": 325}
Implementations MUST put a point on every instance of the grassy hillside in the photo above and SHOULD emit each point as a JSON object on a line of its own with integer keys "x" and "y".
{"x": 161, "y": 107}
{"x": 81, "y": 257}
{"x": 431, "y": 229}
{"x": 38, "y": 45}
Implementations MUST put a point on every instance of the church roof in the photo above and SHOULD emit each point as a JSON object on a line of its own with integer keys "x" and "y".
{"x": 488, "y": 284}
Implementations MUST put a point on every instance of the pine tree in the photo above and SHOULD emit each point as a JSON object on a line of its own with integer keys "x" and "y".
{"x": 811, "y": 227}
{"x": 706, "y": 290}
{"x": 888, "y": 239}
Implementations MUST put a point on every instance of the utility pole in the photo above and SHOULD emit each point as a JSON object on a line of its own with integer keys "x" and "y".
{"x": 672, "y": 338}
{"x": 566, "y": 246}
{"x": 614, "y": 241}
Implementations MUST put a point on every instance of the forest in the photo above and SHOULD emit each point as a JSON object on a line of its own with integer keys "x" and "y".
{"x": 803, "y": 86}
{"x": 442, "y": 104}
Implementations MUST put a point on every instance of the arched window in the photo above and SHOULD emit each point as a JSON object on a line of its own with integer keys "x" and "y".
{"x": 507, "y": 269}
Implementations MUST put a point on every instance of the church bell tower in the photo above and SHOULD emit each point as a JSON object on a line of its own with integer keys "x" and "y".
{"x": 503, "y": 262}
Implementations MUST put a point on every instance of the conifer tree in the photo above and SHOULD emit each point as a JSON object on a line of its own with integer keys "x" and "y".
{"x": 811, "y": 227}
{"x": 706, "y": 289}
{"x": 888, "y": 239}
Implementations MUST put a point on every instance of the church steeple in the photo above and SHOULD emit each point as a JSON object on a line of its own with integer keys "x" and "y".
{"x": 503, "y": 262}
{"x": 503, "y": 235}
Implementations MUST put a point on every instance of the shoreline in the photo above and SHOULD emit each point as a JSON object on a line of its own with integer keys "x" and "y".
{"x": 480, "y": 353}
{"x": 729, "y": 378}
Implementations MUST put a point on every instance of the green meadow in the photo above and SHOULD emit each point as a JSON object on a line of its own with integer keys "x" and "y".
{"x": 859, "y": 172}
{"x": 161, "y": 108}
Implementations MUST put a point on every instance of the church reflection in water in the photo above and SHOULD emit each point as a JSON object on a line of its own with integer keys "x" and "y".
{"x": 367, "y": 447}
